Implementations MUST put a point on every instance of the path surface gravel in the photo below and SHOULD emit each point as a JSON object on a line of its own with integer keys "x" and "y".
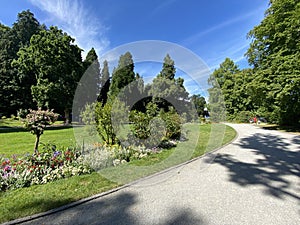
{"x": 254, "y": 180}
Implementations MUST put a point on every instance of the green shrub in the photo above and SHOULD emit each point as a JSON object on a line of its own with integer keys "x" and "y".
{"x": 109, "y": 119}
{"x": 151, "y": 128}
{"x": 173, "y": 124}
{"x": 104, "y": 124}
{"x": 88, "y": 118}
{"x": 244, "y": 116}
{"x": 140, "y": 124}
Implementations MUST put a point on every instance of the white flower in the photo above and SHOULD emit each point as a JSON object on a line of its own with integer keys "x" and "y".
{"x": 116, "y": 162}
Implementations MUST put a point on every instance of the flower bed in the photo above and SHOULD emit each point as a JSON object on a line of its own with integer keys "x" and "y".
{"x": 51, "y": 164}
{"x": 40, "y": 168}
{"x": 102, "y": 156}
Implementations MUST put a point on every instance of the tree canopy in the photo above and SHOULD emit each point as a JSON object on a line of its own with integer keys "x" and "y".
{"x": 272, "y": 87}
{"x": 56, "y": 64}
{"x": 123, "y": 75}
{"x": 275, "y": 55}
{"x": 15, "y": 92}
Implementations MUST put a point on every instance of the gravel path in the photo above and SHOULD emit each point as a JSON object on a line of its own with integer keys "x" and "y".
{"x": 254, "y": 180}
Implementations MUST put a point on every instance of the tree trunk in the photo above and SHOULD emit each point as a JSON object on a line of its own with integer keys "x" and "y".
{"x": 67, "y": 117}
{"x": 36, "y": 145}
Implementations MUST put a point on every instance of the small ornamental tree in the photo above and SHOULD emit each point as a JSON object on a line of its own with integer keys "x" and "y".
{"x": 37, "y": 120}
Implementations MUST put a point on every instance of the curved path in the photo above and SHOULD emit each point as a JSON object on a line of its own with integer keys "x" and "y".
{"x": 254, "y": 180}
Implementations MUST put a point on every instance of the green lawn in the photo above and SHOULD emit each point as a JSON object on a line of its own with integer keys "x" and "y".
{"x": 15, "y": 123}
{"x": 27, "y": 201}
{"x": 19, "y": 142}
{"x": 10, "y": 123}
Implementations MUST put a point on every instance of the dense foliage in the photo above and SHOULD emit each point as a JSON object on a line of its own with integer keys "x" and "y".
{"x": 15, "y": 86}
{"x": 122, "y": 76}
{"x": 271, "y": 88}
{"x": 230, "y": 89}
{"x": 275, "y": 55}
{"x": 55, "y": 62}
{"x": 40, "y": 67}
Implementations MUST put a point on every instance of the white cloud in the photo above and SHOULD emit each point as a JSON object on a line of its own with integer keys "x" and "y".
{"x": 258, "y": 12}
{"x": 234, "y": 51}
{"x": 162, "y": 6}
{"x": 232, "y": 44}
{"x": 77, "y": 21}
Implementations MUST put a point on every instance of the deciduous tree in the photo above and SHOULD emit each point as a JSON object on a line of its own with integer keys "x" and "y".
{"x": 275, "y": 55}
{"x": 15, "y": 85}
{"x": 55, "y": 61}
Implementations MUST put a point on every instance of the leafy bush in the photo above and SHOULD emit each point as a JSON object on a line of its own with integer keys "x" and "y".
{"x": 173, "y": 124}
{"x": 151, "y": 128}
{"x": 88, "y": 118}
{"x": 109, "y": 119}
{"x": 146, "y": 130}
{"x": 244, "y": 116}
{"x": 140, "y": 124}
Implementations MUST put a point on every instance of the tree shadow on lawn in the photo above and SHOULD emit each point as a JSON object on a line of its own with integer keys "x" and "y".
{"x": 270, "y": 169}
{"x": 6, "y": 129}
{"x": 117, "y": 209}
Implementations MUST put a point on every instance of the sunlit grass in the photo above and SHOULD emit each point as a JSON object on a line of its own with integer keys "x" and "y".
{"x": 20, "y": 142}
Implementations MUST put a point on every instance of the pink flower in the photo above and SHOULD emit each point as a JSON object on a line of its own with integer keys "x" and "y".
{"x": 7, "y": 168}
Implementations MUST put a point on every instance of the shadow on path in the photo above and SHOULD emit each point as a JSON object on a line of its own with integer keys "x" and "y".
{"x": 270, "y": 169}
{"x": 119, "y": 209}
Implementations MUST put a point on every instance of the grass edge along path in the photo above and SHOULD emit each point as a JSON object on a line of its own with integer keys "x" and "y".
{"x": 23, "y": 202}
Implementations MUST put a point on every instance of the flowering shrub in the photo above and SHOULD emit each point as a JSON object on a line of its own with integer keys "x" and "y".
{"x": 40, "y": 168}
{"x": 36, "y": 121}
{"x": 102, "y": 156}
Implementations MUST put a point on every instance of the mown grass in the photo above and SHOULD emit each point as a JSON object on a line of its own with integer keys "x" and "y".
{"x": 16, "y": 123}
{"x": 19, "y": 142}
{"x": 27, "y": 201}
{"x": 4, "y": 123}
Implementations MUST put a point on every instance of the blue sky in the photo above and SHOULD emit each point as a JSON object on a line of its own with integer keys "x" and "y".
{"x": 213, "y": 29}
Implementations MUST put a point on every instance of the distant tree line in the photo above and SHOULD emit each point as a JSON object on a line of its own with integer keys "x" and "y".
{"x": 271, "y": 87}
